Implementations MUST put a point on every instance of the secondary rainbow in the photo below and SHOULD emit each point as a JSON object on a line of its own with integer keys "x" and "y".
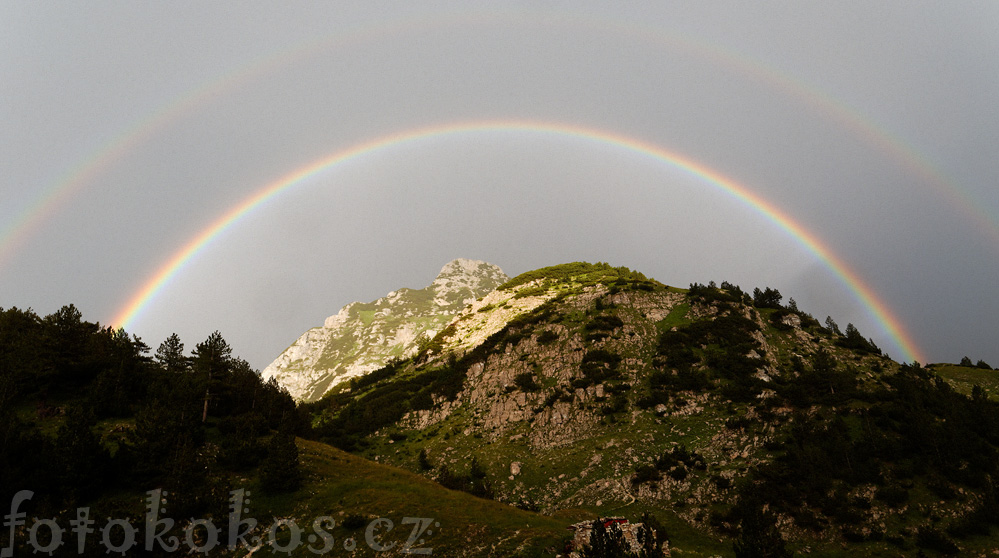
{"x": 891, "y": 325}
{"x": 15, "y": 233}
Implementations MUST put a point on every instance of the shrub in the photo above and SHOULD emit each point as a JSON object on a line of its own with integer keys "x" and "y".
{"x": 644, "y": 474}
{"x": 679, "y": 473}
{"x": 354, "y": 522}
{"x": 547, "y": 337}
{"x": 604, "y": 323}
{"x": 893, "y": 495}
{"x": 932, "y": 539}
{"x": 617, "y": 404}
{"x": 596, "y": 336}
{"x": 525, "y": 382}
{"x": 599, "y": 365}
{"x": 424, "y": 461}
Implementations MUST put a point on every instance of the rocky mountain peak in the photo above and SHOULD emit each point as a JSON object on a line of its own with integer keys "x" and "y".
{"x": 462, "y": 281}
{"x": 363, "y": 337}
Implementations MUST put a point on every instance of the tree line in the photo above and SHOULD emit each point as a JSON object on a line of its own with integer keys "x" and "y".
{"x": 89, "y": 417}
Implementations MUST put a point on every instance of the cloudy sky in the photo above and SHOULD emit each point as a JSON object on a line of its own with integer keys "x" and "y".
{"x": 844, "y": 150}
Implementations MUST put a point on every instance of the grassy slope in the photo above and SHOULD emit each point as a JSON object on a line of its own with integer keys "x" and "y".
{"x": 964, "y": 378}
{"x": 339, "y": 484}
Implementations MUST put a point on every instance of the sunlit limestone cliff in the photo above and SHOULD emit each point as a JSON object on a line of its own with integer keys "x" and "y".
{"x": 363, "y": 336}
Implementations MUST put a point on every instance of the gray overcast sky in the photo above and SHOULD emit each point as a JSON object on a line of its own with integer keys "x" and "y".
{"x": 127, "y": 128}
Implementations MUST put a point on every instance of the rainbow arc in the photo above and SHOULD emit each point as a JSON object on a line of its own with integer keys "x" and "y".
{"x": 880, "y": 311}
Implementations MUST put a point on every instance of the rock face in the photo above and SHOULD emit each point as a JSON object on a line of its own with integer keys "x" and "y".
{"x": 362, "y": 337}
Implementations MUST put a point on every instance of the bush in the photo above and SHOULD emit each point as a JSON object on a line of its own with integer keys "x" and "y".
{"x": 644, "y": 474}
{"x": 932, "y": 539}
{"x": 354, "y": 522}
{"x": 604, "y": 323}
{"x": 474, "y": 483}
{"x": 617, "y": 404}
{"x": 709, "y": 293}
{"x": 424, "y": 461}
{"x": 599, "y": 365}
{"x": 547, "y": 337}
{"x": 525, "y": 382}
{"x": 893, "y": 495}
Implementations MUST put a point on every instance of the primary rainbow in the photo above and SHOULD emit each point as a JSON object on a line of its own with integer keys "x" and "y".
{"x": 878, "y": 309}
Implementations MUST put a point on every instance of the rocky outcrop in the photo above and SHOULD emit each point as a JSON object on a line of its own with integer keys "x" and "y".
{"x": 362, "y": 337}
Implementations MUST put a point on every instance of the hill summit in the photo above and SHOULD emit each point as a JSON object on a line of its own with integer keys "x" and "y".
{"x": 363, "y": 337}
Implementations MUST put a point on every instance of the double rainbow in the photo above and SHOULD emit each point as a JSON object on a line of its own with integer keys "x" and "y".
{"x": 891, "y": 325}
{"x": 15, "y": 233}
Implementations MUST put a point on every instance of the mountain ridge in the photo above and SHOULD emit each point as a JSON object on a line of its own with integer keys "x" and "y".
{"x": 585, "y": 386}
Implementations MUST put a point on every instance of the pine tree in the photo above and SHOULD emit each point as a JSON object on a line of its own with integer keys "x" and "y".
{"x": 170, "y": 355}
{"x": 84, "y": 459}
{"x": 211, "y": 360}
{"x": 652, "y": 536}
{"x": 281, "y": 471}
{"x": 212, "y": 356}
{"x": 606, "y": 542}
{"x": 759, "y": 537}
{"x": 424, "y": 461}
{"x": 767, "y": 298}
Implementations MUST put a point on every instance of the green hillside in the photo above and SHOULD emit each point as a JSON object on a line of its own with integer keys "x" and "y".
{"x": 615, "y": 394}
{"x": 965, "y": 378}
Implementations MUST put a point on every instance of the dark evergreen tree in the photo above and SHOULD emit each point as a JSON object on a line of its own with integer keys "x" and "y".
{"x": 210, "y": 361}
{"x": 170, "y": 355}
{"x": 447, "y": 479}
{"x": 759, "y": 537}
{"x": 69, "y": 338}
{"x": 123, "y": 376}
{"x": 27, "y": 459}
{"x": 83, "y": 459}
{"x": 424, "y": 461}
{"x": 23, "y": 352}
{"x": 606, "y": 542}
{"x": 767, "y": 298}
{"x": 163, "y": 429}
{"x": 281, "y": 471}
{"x": 855, "y": 341}
{"x": 652, "y": 536}
{"x": 239, "y": 446}
{"x": 212, "y": 356}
